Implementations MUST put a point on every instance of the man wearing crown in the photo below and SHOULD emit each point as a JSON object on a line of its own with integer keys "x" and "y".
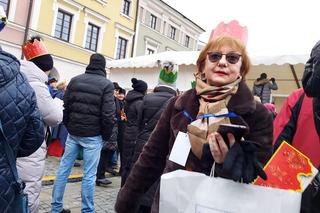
{"x": 36, "y": 68}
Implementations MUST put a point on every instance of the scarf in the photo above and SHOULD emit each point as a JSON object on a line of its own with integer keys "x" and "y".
{"x": 213, "y": 100}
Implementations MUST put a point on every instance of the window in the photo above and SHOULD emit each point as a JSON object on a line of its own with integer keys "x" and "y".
{"x": 153, "y": 22}
{"x": 121, "y": 48}
{"x": 92, "y": 37}
{"x": 173, "y": 32}
{"x": 5, "y": 4}
{"x": 150, "y": 51}
{"x": 126, "y": 7}
{"x": 187, "y": 41}
{"x": 63, "y": 25}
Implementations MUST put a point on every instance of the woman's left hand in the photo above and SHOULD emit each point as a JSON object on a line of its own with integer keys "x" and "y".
{"x": 218, "y": 146}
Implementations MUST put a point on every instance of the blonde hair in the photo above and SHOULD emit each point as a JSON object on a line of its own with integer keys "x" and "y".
{"x": 62, "y": 85}
{"x": 219, "y": 42}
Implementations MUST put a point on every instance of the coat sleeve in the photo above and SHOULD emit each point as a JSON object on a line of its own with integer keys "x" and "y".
{"x": 261, "y": 132}
{"x": 51, "y": 109}
{"x": 108, "y": 112}
{"x": 284, "y": 126}
{"x": 149, "y": 166}
{"x": 34, "y": 133}
{"x": 273, "y": 86}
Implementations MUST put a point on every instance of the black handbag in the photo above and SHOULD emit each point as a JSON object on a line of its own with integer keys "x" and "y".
{"x": 20, "y": 203}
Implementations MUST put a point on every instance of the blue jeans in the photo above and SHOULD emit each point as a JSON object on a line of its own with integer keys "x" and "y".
{"x": 91, "y": 153}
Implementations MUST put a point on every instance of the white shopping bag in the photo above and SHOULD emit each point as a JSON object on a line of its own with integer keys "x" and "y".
{"x": 191, "y": 192}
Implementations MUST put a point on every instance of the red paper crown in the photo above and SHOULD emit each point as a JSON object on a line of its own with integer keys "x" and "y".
{"x": 232, "y": 29}
{"x": 33, "y": 50}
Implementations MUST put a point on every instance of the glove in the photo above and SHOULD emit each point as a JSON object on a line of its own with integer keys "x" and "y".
{"x": 233, "y": 163}
{"x": 251, "y": 167}
{"x": 272, "y": 79}
{"x": 241, "y": 162}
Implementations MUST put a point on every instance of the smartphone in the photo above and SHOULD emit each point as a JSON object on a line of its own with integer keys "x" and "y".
{"x": 237, "y": 130}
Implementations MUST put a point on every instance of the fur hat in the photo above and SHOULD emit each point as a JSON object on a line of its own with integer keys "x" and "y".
{"x": 139, "y": 85}
{"x": 168, "y": 75}
{"x": 97, "y": 62}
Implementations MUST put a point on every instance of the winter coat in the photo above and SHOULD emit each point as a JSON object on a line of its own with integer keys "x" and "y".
{"x": 152, "y": 106}
{"x": 153, "y": 160}
{"x": 51, "y": 111}
{"x": 262, "y": 88}
{"x": 21, "y": 123}
{"x": 290, "y": 125}
{"x": 132, "y": 106}
{"x": 89, "y": 108}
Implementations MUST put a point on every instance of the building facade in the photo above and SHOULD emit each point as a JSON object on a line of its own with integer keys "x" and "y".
{"x": 74, "y": 29}
{"x": 161, "y": 28}
{"x": 12, "y": 36}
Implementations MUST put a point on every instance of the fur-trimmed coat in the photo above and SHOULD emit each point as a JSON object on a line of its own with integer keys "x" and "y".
{"x": 153, "y": 161}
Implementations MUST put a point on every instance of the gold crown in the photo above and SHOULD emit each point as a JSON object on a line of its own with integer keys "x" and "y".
{"x": 33, "y": 50}
{"x": 232, "y": 29}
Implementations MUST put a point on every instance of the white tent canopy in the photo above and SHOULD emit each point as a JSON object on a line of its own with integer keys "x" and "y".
{"x": 287, "y": 68}
{"x": 190, "y": 57}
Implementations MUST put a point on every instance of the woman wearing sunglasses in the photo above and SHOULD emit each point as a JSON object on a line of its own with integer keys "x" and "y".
{"x": 221, "y": 96}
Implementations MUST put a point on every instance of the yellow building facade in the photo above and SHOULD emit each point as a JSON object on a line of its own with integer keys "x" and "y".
{"x": 74, "y": 29}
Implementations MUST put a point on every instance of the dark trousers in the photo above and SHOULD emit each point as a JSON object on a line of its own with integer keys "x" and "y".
{"x": 104, "y": 163}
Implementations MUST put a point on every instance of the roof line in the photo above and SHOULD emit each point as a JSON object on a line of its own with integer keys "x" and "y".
{"x": 183, "y": 15}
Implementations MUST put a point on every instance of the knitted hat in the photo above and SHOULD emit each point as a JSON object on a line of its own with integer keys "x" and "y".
{"x": 3, "y": 18}
{"x": 44, "y": 62}
{"x": 139, "y": 85}
{"x": 35, "y": 51}
{"x": 168, "y": 75}
{"x": 97, "y": 62}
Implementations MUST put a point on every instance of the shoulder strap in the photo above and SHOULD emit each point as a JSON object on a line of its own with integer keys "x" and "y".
{"x": 10, "y": 156}
{"x": 155, "y": 117}
{"x": 316, "y": 112}
{"x": 261, "y": 91}
{"x": 298, "y": 105}
{"x": 289, "y": 130}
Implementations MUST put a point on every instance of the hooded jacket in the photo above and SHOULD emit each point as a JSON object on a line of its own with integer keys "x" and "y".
{"x": 262, "y": 88}
{"x": 21, "y": 122}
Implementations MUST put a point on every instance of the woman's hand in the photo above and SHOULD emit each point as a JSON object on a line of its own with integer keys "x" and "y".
{"x": 218, "y": 146}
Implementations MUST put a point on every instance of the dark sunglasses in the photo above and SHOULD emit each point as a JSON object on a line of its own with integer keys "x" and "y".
{"x": 231, "y": 57}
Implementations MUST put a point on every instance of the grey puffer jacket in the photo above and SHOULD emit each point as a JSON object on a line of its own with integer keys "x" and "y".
{"x": 262, "y": 88}
{"x": 21, "y": 122}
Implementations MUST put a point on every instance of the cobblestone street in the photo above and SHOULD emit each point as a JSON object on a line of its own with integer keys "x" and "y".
{"x": 104, "y": 199}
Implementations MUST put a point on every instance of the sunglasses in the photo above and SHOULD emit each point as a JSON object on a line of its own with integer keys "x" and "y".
{"x": 231, "y": 57}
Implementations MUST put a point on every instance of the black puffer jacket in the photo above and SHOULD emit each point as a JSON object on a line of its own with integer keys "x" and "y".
{"x": 21, "y": 121}
{"x": 89, "y": 105}
{"x": 152, "y": 107}
{"x": 132, "y": 106}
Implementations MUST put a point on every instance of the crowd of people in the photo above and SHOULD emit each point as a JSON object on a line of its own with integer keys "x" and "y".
{"x": 94, "y": 116}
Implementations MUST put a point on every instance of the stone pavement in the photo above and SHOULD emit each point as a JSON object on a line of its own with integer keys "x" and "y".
{"x": 104, "y": 199}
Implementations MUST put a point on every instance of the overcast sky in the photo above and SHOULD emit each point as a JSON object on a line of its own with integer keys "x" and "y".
{"x": 274, "y": 26}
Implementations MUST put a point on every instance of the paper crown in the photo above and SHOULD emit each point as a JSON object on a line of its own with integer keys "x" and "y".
{"x": 169, "y": 72}
{"x": 232, "y": 29}
{"x": 33, "y": 50}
